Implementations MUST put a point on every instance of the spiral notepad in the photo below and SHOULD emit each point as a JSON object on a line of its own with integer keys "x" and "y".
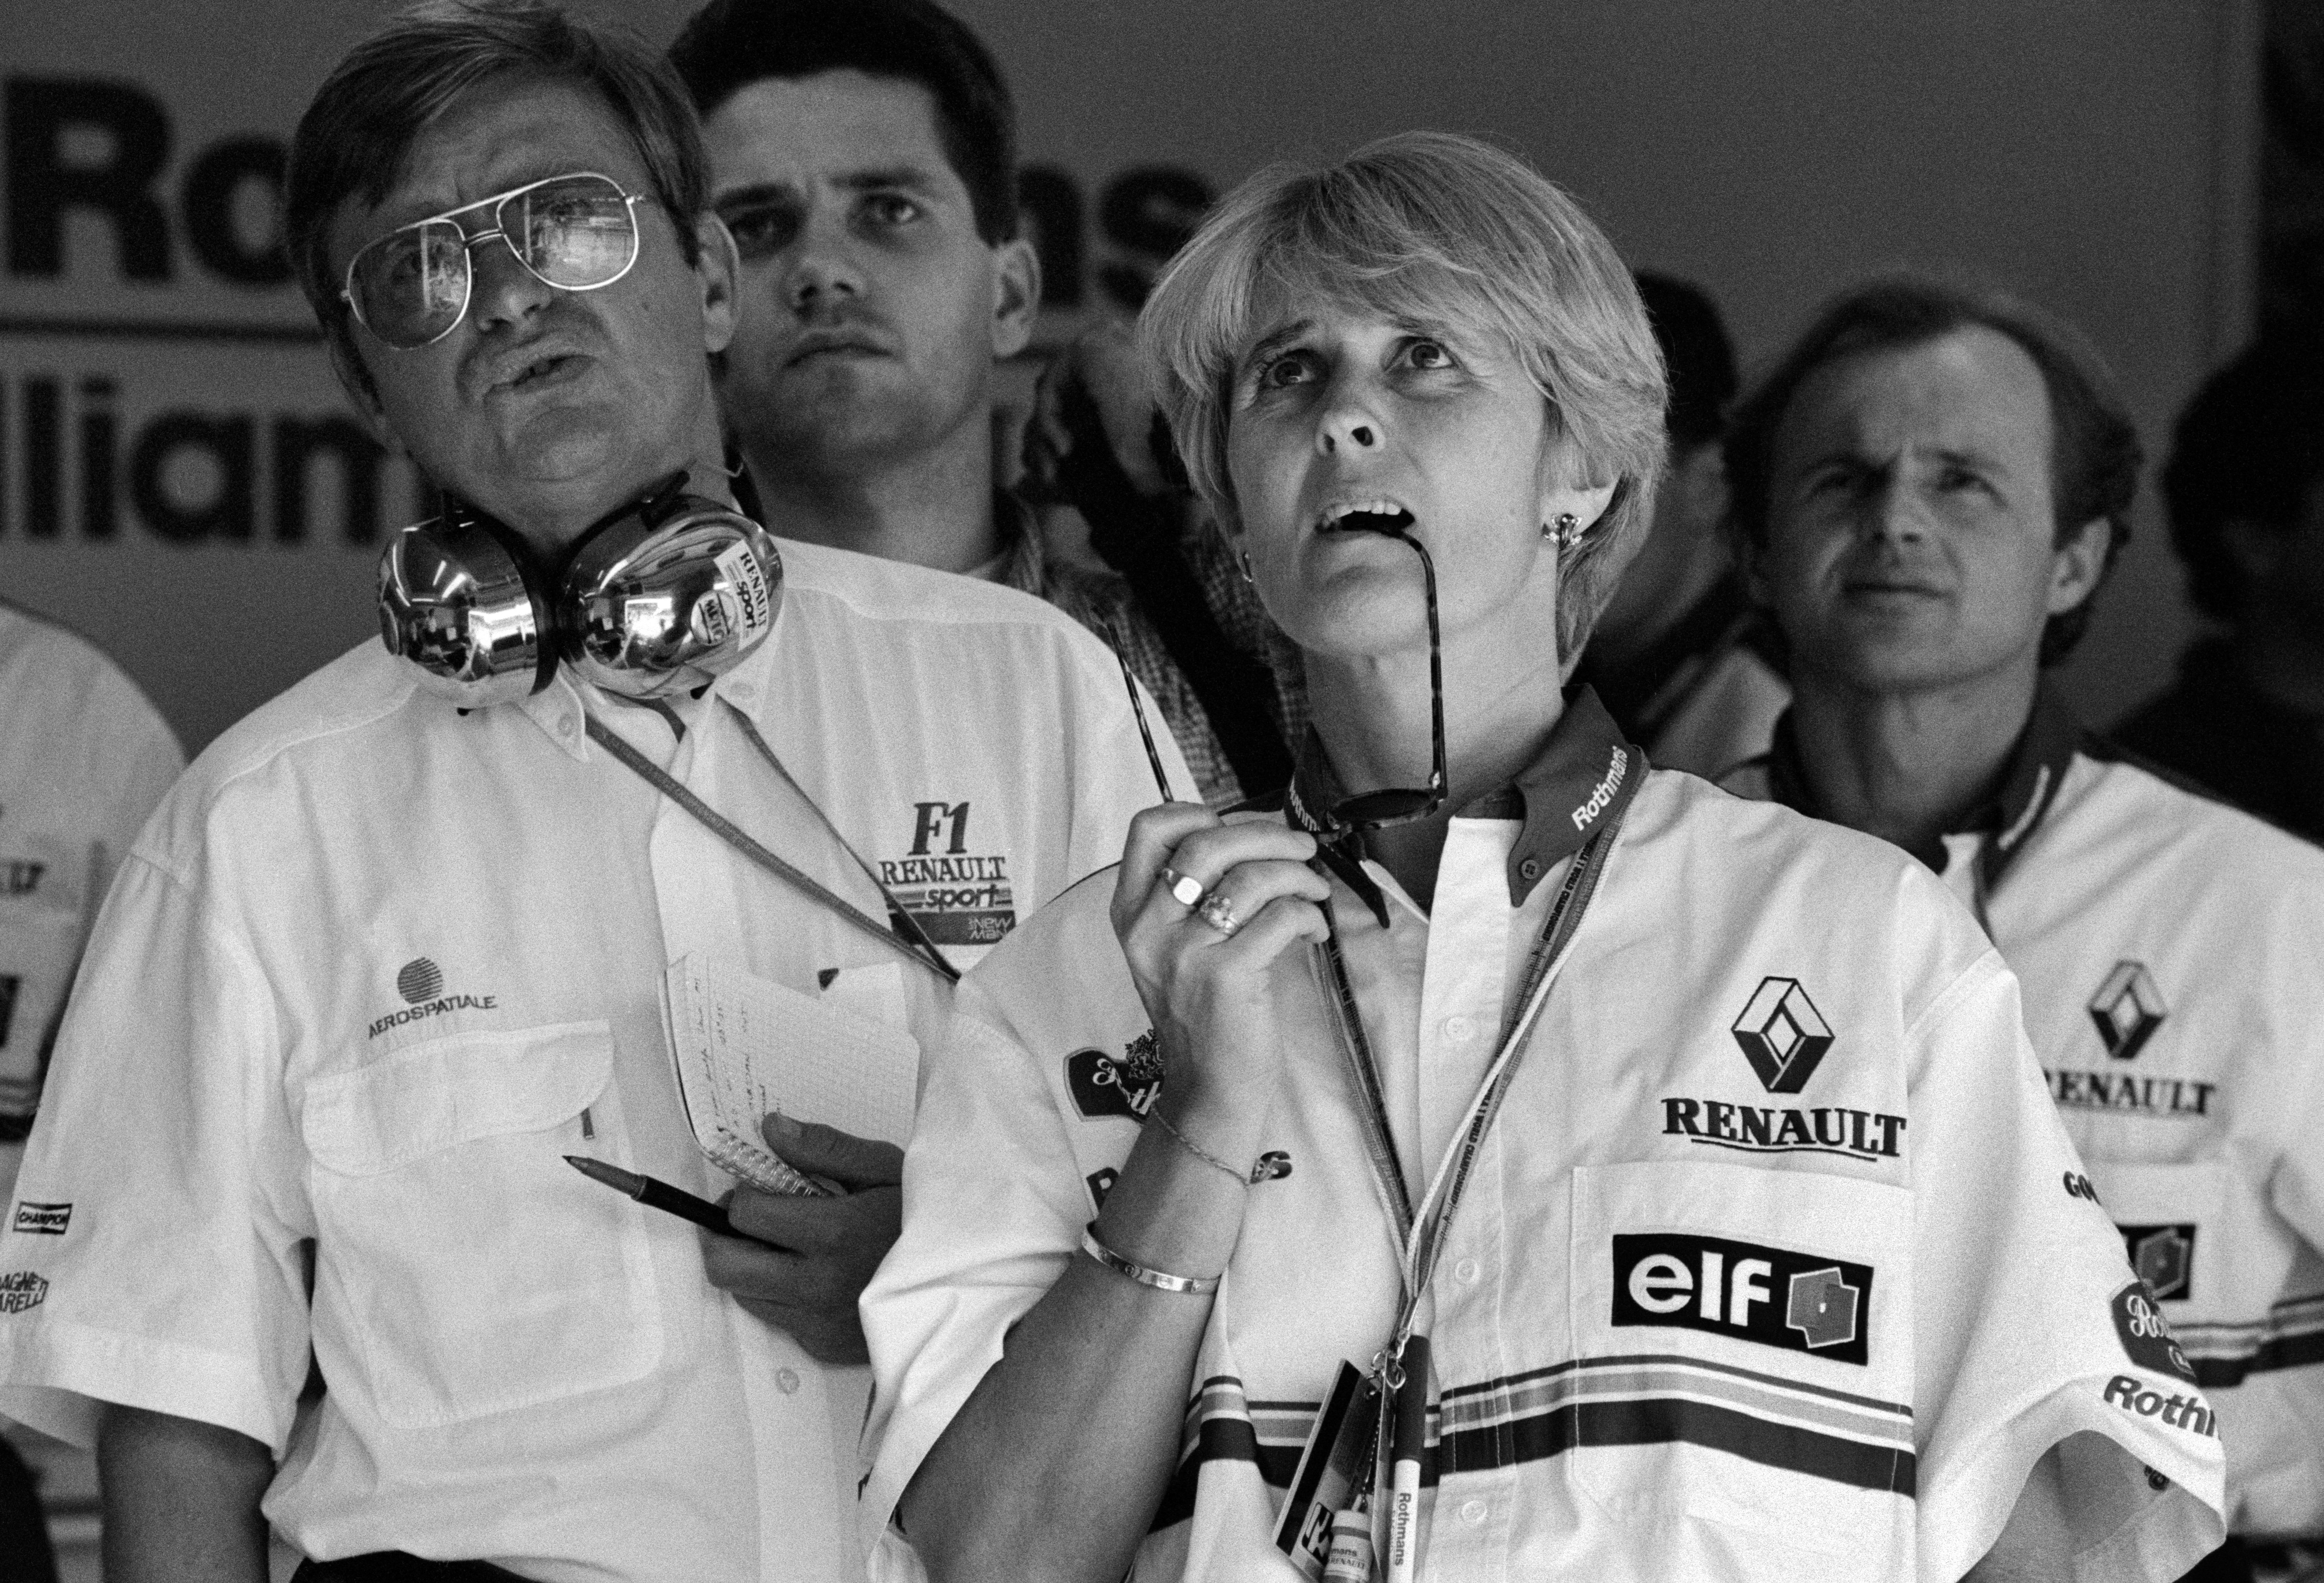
{"x": 743, "y": 1046}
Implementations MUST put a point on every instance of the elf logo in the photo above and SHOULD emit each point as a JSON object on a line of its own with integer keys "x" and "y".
{"x": 1799, "y": 1302}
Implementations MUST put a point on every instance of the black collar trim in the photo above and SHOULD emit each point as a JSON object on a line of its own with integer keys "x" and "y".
{"x": 2031, "y": 776}
{"x": 1582, "y": 774}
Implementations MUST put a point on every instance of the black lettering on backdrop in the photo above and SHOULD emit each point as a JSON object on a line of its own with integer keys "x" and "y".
{"x": 297, "y": 442}
{"x": 229, "y": 510}
{"x": 207, "y": 204}
{"x": 98, "y": 429}
{"x": 77, "y": 432}
{"x": 43, "y": 475}
{"x": 42, "y": 187}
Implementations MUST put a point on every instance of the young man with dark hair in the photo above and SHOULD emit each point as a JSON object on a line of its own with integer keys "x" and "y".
{"x": 863, "y": 155}
{"x": 2244, "y": 488}
{"x": 1679, "y": 656}
{"x": 1928, "y": 490}
{"x": 311, "y": 1268}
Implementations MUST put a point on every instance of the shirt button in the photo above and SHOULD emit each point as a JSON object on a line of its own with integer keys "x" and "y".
{"x": 739, "y": 691}
{"x": 564, "y": 725}
{"x": 1460, "y": 1029}
{"x": 1530, "y": 869}
{"x": 787, "y": 1380}
{"x": 1472, "y": 1511}
{"x": 1468, "y": 1272}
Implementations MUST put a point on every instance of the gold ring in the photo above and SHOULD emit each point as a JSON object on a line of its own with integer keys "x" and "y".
{"x": 1219, "y": 913}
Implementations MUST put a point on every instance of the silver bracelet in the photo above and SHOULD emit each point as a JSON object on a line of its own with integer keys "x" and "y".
{"x": 1154, "y": 1114}
{"x": 1160, "y": 1280}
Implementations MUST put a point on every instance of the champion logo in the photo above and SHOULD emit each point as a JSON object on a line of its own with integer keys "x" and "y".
{"x": 421, "y": 980}
{"x": 41, "y": 1220}
{"x": 1783, "y": 1035}
{"x": 2127, "y": 1009}
{"x": 1603, "y": 792}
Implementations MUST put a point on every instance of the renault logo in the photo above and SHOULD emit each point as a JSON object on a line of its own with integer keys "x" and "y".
{"x": 2127, "y": 1009}
{"x": 1783, "y": 1035}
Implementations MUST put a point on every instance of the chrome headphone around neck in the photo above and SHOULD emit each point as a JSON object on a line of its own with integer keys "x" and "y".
{"x": 659, "y": 597}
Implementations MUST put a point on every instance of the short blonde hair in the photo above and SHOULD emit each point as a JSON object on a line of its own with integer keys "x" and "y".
{"x": 1441, "y": 229}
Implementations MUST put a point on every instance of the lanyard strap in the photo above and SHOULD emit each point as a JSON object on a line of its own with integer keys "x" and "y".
{"x": 921, "y": 949}
{"x": 1421, "y": 1229}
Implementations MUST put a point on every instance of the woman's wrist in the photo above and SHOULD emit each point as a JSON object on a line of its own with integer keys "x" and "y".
{"x": 1170, "y": 1209}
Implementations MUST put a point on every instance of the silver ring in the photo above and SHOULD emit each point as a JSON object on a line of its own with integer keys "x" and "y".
{"x": 1185, "y": 888}
{"x": 1219, "y": 913}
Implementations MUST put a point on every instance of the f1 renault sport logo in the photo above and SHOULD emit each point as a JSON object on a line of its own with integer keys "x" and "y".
{"x": 1799, "y": 1302}
{"x": 2127, "y": 1009}
{"x": 1783, "y": 1035}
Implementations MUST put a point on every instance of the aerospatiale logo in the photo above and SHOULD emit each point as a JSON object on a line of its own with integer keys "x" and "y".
{"x": 420, "y": 982}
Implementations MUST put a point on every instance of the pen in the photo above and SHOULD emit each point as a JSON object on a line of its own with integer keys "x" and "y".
{"x": 655, "y": 1195}
{"x": 1137, "y": 708}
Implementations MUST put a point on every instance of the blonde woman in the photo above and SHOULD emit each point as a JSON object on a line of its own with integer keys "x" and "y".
{"x": 1502, "y": 1160}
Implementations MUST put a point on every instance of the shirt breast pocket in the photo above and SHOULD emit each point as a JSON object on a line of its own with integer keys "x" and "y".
{"x": 476, "y": 1270}
{"x": 1743, "y": 1345}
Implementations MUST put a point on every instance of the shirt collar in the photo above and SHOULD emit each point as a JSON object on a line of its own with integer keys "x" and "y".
{"x": 2033, "y": 772}
{"x": 1582, "y": 774}
{"x": 557, "y": 710}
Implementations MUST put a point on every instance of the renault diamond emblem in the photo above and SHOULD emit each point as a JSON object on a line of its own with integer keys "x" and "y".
{"x": 2127, "y": 1009}
{"x": 1783, "y": 1035}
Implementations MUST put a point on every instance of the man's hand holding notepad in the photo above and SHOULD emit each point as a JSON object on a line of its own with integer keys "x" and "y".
{"x": 743, "y": 1046}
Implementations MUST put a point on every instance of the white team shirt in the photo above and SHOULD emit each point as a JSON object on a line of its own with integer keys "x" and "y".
{"x": 2171, "y": 951}
{"x": 1769, "y": 1268}
{"x": 377, "y": 964}
{"x": 83, "y": 758}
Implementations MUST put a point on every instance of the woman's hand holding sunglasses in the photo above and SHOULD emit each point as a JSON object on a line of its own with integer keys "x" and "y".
{"x": 1205, "y": 911}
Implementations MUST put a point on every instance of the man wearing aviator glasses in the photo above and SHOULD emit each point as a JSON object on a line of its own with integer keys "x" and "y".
{"x": 309, "y": 1267}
